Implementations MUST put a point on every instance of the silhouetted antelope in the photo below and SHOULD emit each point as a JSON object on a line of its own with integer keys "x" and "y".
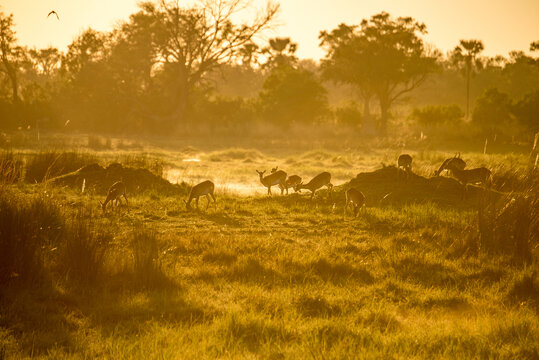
{"x": 116, "y": 191}
{"x": 472, "y": 176}
{"x": 454, "y": 162}
{"x": 204, "y": 188}
{"x": 405, "y": 162}
{"x": 278, "y": 177}
{"x": 291, "y": 182}
{"x": 323, "y": 179}
{"x": 354, "y": 198}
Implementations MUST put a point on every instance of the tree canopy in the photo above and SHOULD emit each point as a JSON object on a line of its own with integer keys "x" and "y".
{"x": 382, "y": 56}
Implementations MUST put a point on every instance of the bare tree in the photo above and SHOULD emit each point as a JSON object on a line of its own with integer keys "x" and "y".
{"x": 196, "y": 40}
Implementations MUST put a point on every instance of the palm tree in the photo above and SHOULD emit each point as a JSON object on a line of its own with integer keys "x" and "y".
{"x": 466, "y": 54}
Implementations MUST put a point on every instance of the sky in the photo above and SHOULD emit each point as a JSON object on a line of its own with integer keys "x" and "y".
{"x": 502, "y": 25}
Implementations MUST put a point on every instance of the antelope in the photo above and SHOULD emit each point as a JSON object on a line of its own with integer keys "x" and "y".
{"x": 354, "y": 198}
{"x": 204, "y": 188}
{"x": 454, "y": 162}
{"x": 405, "y": 161}
{"x": 291, "y": 182}
{"x": 277, "y": 177}
{"x": 115, "y": 192}
{"x": 472, "y": 176}
{"x": 322, "y": 179}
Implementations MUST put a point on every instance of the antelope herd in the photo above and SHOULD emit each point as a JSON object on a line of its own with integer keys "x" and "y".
{"x": 353, "y": 197}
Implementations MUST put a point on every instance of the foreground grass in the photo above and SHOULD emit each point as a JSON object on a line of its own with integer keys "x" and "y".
{"x": 261, "y": 277}
{"x": 282, "y": 277}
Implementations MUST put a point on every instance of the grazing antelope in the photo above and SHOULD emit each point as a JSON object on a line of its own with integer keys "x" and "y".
{"x": 115, "y": 192}
{"x": 291, "y": 182}
{"x": 322, "y": 179}
{"x": 277, "y": 177}
{"x": 354, "y": 198}
{"x": 454, "y": 162}
{"x": 405, "y": 162}
{"x": 472, "y": 176}
{"x": 204, "y": 188}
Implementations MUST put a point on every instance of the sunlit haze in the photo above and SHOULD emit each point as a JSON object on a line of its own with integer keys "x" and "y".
{"x": 502, "y": 25}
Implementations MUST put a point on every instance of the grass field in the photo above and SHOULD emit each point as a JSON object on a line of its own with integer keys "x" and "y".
{"x": 277, "y": 277}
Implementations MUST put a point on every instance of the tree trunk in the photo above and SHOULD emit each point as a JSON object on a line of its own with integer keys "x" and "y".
{"x": 182, "y": 98}
{"x": 366, "y": 107}
{"x": 384, "y": 111}
{"x": 468, "y": 70}
{"x": 368, "y": 126}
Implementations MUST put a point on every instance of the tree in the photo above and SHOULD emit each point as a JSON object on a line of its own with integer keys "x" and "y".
{"x": 526, "y": 111}
{"x": 383, "y": 57}
{"x": 465, "y": 55}
{"x": 534, "y": 46}
{"x": 292, "y": 95}
{"x": 521, "y": 74}
{"x": 10, "y": 54}
{"x": 45, "y": 60}
{"x": 281, "y": 51}
{"x": 191, "y": 42}
{"x": 492, "y": 112}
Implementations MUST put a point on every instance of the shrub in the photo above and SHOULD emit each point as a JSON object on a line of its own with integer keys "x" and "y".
{"x": 435, "y": 115}
{"x": 292, "y": 95}
{"x": 349, "y": 115}
{"x": 526, "y": 111}
{"x": 492, "y": 112}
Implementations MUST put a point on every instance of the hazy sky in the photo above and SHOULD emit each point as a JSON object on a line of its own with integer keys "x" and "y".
{"x": 502, "y": 25}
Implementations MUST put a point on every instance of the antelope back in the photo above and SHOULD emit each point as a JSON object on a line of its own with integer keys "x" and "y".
{"x": 319, "y": 181}
{"x": 355, "y": 196}
{"x": 205, "y": 187}
{"x": 293, "y": 180}
{"x": 273, "y": 178}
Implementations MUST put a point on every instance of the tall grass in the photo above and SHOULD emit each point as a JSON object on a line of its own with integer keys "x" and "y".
{"x": 509, "y": 225}
{"x": 11, "y": 168}
{"x": 26, "y": 225}
{"x": 146, "y": 264}
{"x": 83, "y": 249}
{"x": 51, "y": 163}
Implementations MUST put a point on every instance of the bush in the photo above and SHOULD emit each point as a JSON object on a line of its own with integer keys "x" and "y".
{"x": 492, "y": 113}
{"x": 292, "y": 95}
{"x": 222, "y": 111}
{"x": 526, "y": 111}
{"x": 436, "y": 115}
{"x": 349, "y": 115}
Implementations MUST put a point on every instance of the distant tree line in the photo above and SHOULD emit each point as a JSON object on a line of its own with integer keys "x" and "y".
{"x": 169, "y": 68}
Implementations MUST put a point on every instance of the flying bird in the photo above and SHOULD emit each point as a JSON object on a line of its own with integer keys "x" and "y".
{"x": 55, "y": 13}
